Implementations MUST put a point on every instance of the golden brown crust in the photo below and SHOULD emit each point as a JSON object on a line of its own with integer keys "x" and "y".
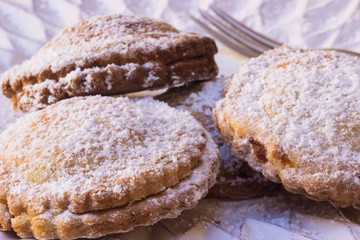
{"x": 109, "y": 55}
{"x": 235, "y": 179}
{"x": 300, "y": 132}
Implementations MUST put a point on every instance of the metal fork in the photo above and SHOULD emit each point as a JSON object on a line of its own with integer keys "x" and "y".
{"x": 244, "y": 40}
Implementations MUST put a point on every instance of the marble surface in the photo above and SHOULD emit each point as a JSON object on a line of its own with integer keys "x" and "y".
{"x": 26, "y": 25}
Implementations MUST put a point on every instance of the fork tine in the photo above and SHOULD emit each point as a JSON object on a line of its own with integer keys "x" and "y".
{"x": 247, "y": 37}
{"x": 225, "y": 29}
{"x": 270, "y": 43}
{"x": 239, "y": 48}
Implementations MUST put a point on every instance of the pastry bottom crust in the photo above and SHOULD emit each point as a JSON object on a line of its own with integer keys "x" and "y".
{"x": 241, "y": 182}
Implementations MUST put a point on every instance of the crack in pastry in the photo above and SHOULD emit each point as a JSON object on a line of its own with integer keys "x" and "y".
{"x": 85, "y": 158}
{"x": 109, "y": 55}
{"x": 299, "y": 109}
{"x": 235, "y": 179}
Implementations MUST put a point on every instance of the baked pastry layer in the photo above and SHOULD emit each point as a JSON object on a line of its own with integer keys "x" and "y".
{"x": 109, "y": 55}
{"x": 235, "y": 179}
{"x": 299, "y": 110}
{"x": 96, "y": 156}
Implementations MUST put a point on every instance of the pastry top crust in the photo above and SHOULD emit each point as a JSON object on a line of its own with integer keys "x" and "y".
{"x": 92, "y": 153}
{"x": 302, "y": 106}
{"x": 82, "y": 59}
{"x": 136, "y": 39}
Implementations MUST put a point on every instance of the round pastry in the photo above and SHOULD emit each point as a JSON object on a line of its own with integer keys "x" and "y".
{"x": 109, "y": 55}
{"x": 90, "y": 166}
{"x": 299, "y": 110}
{"x": 236, "y": 179}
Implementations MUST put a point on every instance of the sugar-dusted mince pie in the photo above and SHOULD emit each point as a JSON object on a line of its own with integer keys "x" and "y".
{"x": 299, "y": 109}
{"x": 235, "y": 179}
{"x": 89, "y": 166}
{"x": 109, "y": 55}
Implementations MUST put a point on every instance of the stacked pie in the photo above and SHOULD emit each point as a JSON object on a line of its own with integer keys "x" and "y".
{"x": 90, "y": 166}
{"x": 109, "y": 55}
